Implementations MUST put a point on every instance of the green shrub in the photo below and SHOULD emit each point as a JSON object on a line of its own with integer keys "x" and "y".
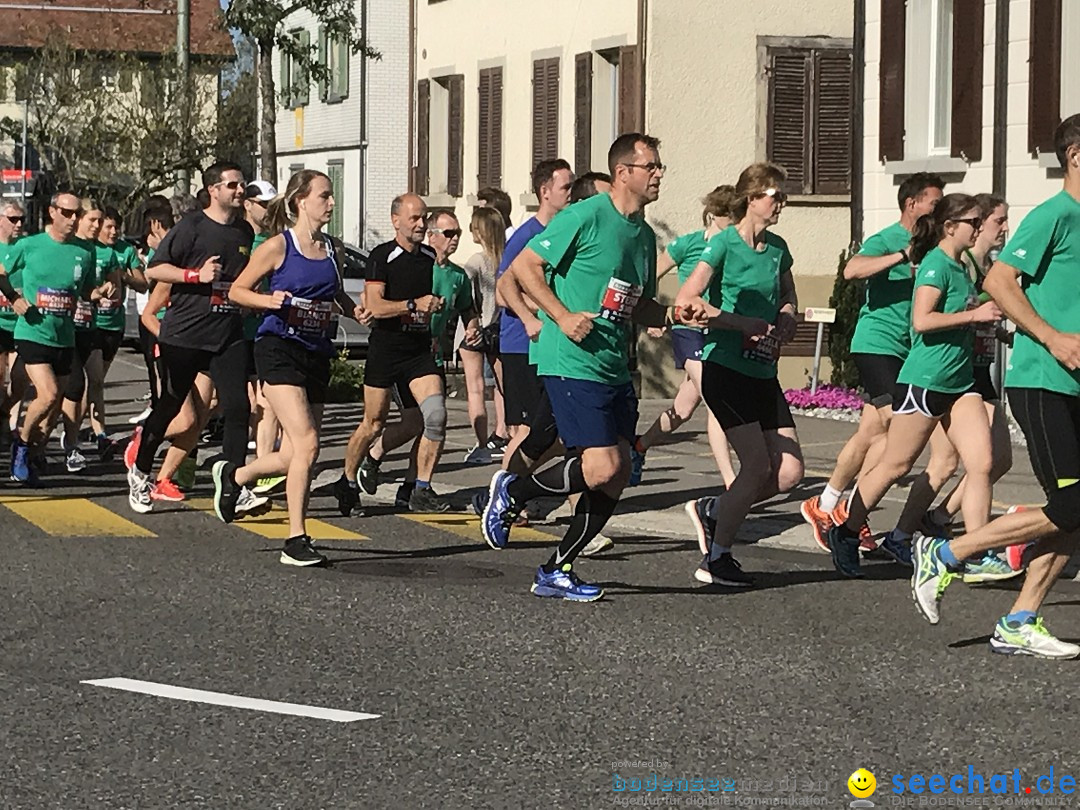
{"x": 346, "y": 380}
{"x": 846, "y": 299}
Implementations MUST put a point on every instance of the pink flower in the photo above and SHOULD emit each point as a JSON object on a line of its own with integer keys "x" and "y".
{"x": 832, "y": 397}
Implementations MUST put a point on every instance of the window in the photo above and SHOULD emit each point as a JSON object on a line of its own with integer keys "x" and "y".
{"x": 490, "y": 127}
{"x": 335, "y": 170}
{"x": 334, "y": 55}
{"x": 607, "y": 103}
{"x": 928, "y": 77}
{"x": 294, "y": 79}
{"x": 126, "y": 80}
{"x": 808, "y": 123}
{"x": 440, "y": 142}
{"x": 545, "y": 110}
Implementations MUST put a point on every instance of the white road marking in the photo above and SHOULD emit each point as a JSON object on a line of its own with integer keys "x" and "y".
{"x": 222, "y": 699}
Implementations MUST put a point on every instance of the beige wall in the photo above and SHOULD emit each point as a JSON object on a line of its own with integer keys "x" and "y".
{"x": 704, "y": 97}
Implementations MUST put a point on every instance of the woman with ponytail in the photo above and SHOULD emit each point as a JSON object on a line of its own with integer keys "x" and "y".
{"x": 293, "y": 347}
{"x": 937, "y": 378}
{"x": 688, "y": 342}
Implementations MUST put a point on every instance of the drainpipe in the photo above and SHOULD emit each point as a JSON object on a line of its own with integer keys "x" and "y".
{"x": 858, "y": 86}
{"x": 363, "y": 123}
{"x": 642, "y": 38}
{"x": 412, "y": 95}
{"x": 1001, "y": 95}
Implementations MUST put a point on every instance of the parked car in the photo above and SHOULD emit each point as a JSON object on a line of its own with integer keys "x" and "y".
{"x": 350, "y": 335}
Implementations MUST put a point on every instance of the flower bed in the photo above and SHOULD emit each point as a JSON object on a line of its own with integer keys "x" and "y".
{"x": 829, "y": 402}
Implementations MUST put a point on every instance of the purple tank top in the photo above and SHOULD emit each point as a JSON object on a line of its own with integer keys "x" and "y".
{"x": 307, "y": 316}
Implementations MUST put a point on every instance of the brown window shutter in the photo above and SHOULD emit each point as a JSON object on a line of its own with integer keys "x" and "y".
{"x": 483, "y": 127}
{"x": 967, "y": 79}
{"x": 495, "y": 144}
{"x": 490, "y": 128}
{"x": 832, "y": 142}
{"x": 891, "y": 78}
{"x": 1044, "y": 75}
{"x": 539, "y": 100}
{"x": 629, "y": 90}
{"x": 455, "y": 142}
{"x": 583, "y": 91}
{"x": 545, "y": 110}
{"x": 787, "y": 138}
{"x": 423, "y": 136}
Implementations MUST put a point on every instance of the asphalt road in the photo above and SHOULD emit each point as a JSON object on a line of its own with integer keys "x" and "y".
{"x": 487, "y": 696}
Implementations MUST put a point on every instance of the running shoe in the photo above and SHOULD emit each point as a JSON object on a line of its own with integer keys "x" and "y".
{"x": 844, "y": 548}
{"x": 478, "y": 501}
{"x": 867, "y": 543}
{"x": 496, "y": 445}
{"x": 265, "y": 486}
{"x": 724, "y": 570}
{"x": 991, "y": 568}
{"x": 404, "y": 494}
{"x": 930, "y": 577}
{"x": 895, "y": 547}
{"x": 819, "y": 520}
{"x": 368, "y": 476}
{"x": 75, "y": 461}
{"x": 1030, "y": 638}
{"x": 479, "y": 455}
{"x": 249, "y": 502}
{"x": 499, "y": 513}
{"x": 20, "y": 463}
{"x": 166, "y": 490}
{"x": 139, "y": 418}
{"x": 425, "y": 500}
{"x": 300, "y": 551}
{"x": 931, "y": 526}
{"x": 139, "y": 488}
{"x": 563, "y": 583}
{"x": 348, "y": 496}
{"x": 704, "y": 524}
{"x": 597, "y": 545}
{"x": 1016, "y": 553}
{"x": 226, "y": 491}
{"x": 105, "y": 447}
{"x": 185, "y": 474}
{"x": 637, "y": 466}
{"x": 131, "y": 451}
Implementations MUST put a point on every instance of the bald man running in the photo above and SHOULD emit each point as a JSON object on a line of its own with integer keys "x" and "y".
{"x": 399, "y": 296}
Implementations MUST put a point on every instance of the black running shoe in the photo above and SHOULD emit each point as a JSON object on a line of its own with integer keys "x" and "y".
{"x": 404, "y": 494}
{"x": 348, "y": 496}
{"x": 425, "y": 500}
{"x": 725, "y": 570}
{"x": 368, "y": 476}
{"x": 300, "y": 551}
{"x": 845, "y": 551}
{"x": 226, "y": 491}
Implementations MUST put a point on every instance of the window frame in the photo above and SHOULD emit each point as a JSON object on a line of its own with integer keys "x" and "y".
{"x": 925, "y": 91}
{"x": 294, "y": 93}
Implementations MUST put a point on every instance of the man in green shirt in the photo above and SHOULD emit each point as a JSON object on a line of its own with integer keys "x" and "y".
{"x": 601, "y": 259}
{"x": 56, "y": 271}
{"x": 12, "y": 217}
{"x": 879, "y": 347}
{"x": 1034, "y": 284}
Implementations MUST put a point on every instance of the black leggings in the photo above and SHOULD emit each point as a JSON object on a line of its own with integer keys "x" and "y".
{"x": 76, "y": 381}
{"x": 147, "y": 342}
{"x": 179, "y": 368}
{"x": 542, "y": 431}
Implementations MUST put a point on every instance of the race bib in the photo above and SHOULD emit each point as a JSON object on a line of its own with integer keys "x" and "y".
{"x": 985, "y": 339}
{"x": 5, "y": 305}
{"x": 309, "y": 316}
{"x": 108, "y": 304}
{"x": 219, "y": 298}
{"x": 766, "y": 349}
{"x": 56, "y": 302}
{"x": 416, "y": 322}
{"x": 619, "y": 300}
{"x": 84, "y": 313}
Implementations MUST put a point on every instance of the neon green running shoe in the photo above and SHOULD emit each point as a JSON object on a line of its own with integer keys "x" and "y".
{"x": 1030, "y": 638}
{"x": 185, "y": 474}
{"x": 931, "y": 576}
{"x": 264, "y": 486}
{"x": 991, "y": 568}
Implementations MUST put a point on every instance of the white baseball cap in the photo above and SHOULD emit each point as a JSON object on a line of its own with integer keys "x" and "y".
{"x": 260, "y": 190}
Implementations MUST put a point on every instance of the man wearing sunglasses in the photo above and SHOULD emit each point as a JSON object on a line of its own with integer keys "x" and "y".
{"x": 53, "y": 270}
{"x": 202, "y": 331}
{"x": 11, "y": 229}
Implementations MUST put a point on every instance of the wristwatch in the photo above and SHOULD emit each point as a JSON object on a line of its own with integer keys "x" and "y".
{"x": 904, "y": 258}
{"x": 411, "y": 304}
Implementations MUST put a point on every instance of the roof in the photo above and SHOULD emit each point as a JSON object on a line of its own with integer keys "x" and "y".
{"x": 130, "y": 26}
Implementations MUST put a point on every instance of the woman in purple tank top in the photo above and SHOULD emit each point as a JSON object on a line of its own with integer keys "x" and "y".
{"x": 292, "y": 347}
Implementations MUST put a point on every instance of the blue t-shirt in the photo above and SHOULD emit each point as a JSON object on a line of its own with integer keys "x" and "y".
{"x": 512, "y": 336}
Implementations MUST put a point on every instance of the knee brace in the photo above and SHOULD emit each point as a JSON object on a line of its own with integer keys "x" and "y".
{"x": 433, "y": 409}
{"x": 1063, "y": 507}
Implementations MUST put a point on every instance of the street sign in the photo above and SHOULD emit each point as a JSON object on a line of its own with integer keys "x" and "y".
{"x": 820, "y": 315}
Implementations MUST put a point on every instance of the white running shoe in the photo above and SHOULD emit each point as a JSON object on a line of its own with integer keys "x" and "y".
{"x": 139, "y": 489}
{"x": 142, "y": 417}
{"x": 76, "y": 461}
{"x": 597, "y": 544}
{"x": 249, "y": 501}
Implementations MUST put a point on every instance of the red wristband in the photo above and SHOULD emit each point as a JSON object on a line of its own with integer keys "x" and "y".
{"x": 191, "y": 276}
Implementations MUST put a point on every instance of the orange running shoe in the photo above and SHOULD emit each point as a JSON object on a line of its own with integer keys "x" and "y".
{"x": 819, "y": 521}
{"x": 166, "y": 490}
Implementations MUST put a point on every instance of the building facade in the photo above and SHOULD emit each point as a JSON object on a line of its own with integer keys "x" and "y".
{"x": 355, "y": 126}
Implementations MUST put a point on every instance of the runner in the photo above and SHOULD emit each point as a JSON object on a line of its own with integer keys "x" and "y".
{"x": 57, "y": 269}
{"x": 589, "y": 185}
{"x": 399, "y": 294}
{"x": 201, "y": 331}
{"x": 687, "y": 342}
{"x": 293, "y": 348}
{"x": 487, "y": 232}
{"x": 1034, "y": 283}
{"x": 938, "y": 378}
{"x": 745, "y": 270}
{"x": 879, "y": 347}
{"x": 13, "y": 381}
{"x": 584, "y": 355}
{"x": 156, "y": 221}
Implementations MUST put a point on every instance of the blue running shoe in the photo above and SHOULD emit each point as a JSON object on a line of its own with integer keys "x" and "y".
{"x": 20, "y": 463}
{"x": 499, "y": 511}
{"x": 637, "y": 466}
{"x": 562, "y": 583}
{"x": 845, "y": 551}
{"x": 899, "y": 550}
{"x": 990, "y": 568}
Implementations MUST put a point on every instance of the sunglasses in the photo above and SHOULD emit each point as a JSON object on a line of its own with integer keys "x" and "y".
{"x": 14, "y": 220}
{"x": 974, "y": 222}
{"x": 449, "y": 233}
{"x": 66, "y": 213}
{"x": 776, "y": 194}
{"x": 231, "y": 185}
{"x": 650, "y": 168}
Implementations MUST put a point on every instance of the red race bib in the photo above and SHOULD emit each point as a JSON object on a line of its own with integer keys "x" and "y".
{"x": 309, "y": 316}
{"x": 219, "y": 298}
{"x": 619, "y": 300}
{"x": 84, "y": 313}
{"x": 766, "y": 349}
{"x": 56, "y": 302}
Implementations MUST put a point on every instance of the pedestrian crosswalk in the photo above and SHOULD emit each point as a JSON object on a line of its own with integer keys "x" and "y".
{"x": 275, "y": 523}
{"x": 61, "y": 516}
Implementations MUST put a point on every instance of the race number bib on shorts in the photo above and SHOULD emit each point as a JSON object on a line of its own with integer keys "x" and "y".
{"x": 766, "y": 349}
{"x": 308, "y": 316}
{"x": 84, "y": 313}
{"x": 219, "y": 298}
{"x": 56, "y": 302}
{"x": 619, "y": 301}
{"x": 416, "y": 322}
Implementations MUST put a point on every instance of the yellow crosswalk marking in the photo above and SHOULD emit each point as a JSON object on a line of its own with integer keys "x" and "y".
{"x": 469, "y": 526}
{"x": 275, "y": 523}
{"x": 71, "y": 517}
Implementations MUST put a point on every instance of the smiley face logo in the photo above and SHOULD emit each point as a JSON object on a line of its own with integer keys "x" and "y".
{"x": 862, "y": 784}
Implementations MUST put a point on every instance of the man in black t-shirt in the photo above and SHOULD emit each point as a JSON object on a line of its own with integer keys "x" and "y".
{"x": 398, "y": 293}
{"x": 201, "y": 331}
